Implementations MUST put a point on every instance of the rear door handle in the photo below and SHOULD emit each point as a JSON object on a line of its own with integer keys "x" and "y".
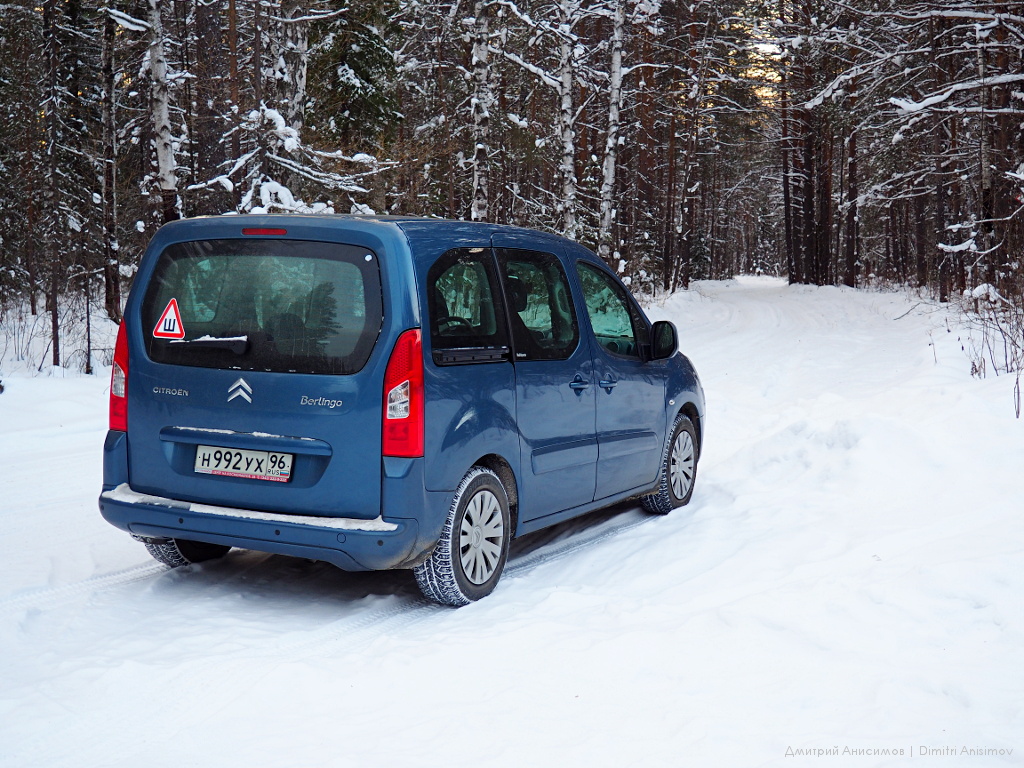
{"x": 607, "y": 384}
{"x": 579, "y": 383}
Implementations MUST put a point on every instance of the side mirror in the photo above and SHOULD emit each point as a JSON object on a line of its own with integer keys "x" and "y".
{"x": 664, "y": 340}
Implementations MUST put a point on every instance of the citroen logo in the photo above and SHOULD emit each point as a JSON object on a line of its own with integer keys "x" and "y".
{"x": 240, "y": 389}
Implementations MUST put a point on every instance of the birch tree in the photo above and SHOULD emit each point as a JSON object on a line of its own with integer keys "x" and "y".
{"x": 481, "y": 105}
{"x": 557, "y": 68}
{"x": 160, "y": 114}
{"x": 609, "y": 165}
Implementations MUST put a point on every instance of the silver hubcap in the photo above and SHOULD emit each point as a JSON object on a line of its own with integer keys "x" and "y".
{"x": 480, "y": 537}
{"x": 681, "y": 465}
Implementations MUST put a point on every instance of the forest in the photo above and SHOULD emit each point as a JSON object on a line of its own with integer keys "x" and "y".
{"x": 859, "y": 143}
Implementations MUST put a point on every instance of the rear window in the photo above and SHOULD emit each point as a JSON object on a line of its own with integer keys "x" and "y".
{"x": 264, "y": 305}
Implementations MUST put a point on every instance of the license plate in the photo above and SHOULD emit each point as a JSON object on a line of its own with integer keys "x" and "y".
{"x": 255, "y": 465}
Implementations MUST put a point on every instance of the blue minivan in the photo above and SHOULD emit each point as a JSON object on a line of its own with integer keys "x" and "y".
{"x": 386, "y": 392}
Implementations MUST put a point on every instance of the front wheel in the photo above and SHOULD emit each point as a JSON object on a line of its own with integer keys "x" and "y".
{"x": 471, "y": 553}
{"x": 678, "y": 469}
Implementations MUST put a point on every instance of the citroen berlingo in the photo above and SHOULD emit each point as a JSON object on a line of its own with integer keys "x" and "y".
{"x": 386, "y": 392}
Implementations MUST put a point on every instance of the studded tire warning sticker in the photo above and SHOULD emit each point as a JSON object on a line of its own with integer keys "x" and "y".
{"x": 169, "y": 325}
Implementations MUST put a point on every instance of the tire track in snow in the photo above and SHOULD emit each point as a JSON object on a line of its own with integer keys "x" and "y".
{"x": 386, "y": 620}
{"x": 581, "y": 540}
{"x": 211, "y": 672}
{"x": 54, "y": 596}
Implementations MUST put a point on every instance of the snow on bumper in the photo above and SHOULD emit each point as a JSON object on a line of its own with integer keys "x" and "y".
{"x": 348, "y": 543}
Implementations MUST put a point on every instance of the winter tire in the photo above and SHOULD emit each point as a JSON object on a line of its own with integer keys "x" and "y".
{"x": 470, "y": 555}
{"x": 678, "y": 469}
{"x": 179, "y": 552}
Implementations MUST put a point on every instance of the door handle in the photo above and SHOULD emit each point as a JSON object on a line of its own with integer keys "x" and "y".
{"x": 607, "y": 384}
{"x": 579, "y": 383}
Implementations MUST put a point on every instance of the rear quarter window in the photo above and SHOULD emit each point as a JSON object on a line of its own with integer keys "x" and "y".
{"x": 266, "y": 305}
{"x": 465, "y": 308}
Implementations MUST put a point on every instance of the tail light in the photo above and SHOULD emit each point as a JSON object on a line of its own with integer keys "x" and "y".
{"x": 403, "y": 398}
{"x": 119, "y": 382}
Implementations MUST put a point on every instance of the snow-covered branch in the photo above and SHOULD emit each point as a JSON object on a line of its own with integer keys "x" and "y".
{"x": 908, "y": 106}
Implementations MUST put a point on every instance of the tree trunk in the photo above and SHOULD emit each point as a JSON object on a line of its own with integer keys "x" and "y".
{"x": 852, "y": 215}
{"x": 54, "y": 317}
{"x": 674, "y": 220}
{"x": 938, "y": 157}
{"x": 483, "y": 99}
{"x": 52, "y": 192}
{"x": 212, "y": 121}
{"x": 292, "y": 62}
{"x": 787, "y": 182}
{"x": 920, "y": 238}
{"x": 160, "y": 115}
{"x": 111, "y": 266}
{"x": 30, "y": 257}
{"x": 823, "y": 272}
{"x": 810, "y": 240}
{"x": 566, "y": 122}
{"x": 257, "y": 85}
{"x": 987, "y": 192}
{"x": 235, "y": 104}
{"x": 852, "y": 249}
{"x": 611, "y": 144}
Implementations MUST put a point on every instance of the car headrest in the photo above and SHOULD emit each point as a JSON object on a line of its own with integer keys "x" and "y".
{"x": 440, "y": 305}
{"x": 517, "y": 293}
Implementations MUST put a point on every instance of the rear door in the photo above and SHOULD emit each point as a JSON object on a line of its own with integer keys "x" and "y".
{"x": 555, "y": 394}
{"x": 257, "y": 356}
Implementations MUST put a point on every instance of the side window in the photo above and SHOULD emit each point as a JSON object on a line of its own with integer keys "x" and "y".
{"x": 611, "y": 313}
{"x": 465, "y": 306}
{"x": 541, "y": 313}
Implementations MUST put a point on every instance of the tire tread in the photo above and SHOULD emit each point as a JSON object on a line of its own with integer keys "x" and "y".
{"x": 435, "y": 576}
{"x": 177, "y": 553}
{"x": 661, "y": 501}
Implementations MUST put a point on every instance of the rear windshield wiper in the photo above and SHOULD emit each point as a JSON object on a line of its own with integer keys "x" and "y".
{"x": 236, "y": 344}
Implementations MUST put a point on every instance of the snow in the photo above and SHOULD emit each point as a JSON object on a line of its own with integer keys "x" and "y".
{"x": 361, "y": 209}
{"x": 347, "y": 77}
{"x": 848, "y": 576}
{"x": 288, "y": 135}
{"x": 128, "y": 22}
{"x": 967, "y": 245}
{"x": 124, "y": 493}
{"x": 908, "y": 106}
{"x": 985, "y": 291}
{"x": 517, "y": 120}
{"x": 225, "y": 182}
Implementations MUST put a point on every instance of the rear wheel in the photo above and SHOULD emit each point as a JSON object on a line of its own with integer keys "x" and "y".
{"x": 468, "y": 560}
{"x": 179, "y": 552}
{"x": 678, "y": 469}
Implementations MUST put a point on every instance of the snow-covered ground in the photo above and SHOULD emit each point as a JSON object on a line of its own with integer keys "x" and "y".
{"x": 849, "y": 577}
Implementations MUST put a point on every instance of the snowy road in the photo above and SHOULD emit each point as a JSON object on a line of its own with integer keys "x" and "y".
{"x": 849, "y": 576}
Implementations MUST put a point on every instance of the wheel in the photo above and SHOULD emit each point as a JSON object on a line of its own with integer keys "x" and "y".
{"x": 470, "y": 555}
{"x": 179, "y": 552}
{"x": 678, "y": 469}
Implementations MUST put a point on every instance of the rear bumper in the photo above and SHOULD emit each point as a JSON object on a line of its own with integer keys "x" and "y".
{"x": 402, "y": 536}
{"x": 354, "y": 545}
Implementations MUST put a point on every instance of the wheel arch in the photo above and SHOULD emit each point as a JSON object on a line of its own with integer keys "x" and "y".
{"x": 689, "y": 410}
{"x": 499, "y": 466}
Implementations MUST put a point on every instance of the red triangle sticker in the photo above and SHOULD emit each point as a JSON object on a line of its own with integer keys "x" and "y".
{"x": 169, "y": 325}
